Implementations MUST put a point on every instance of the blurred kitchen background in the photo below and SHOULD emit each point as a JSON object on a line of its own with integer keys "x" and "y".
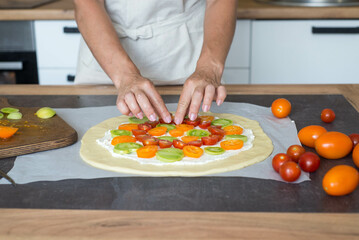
{"x": 276, "y": 42}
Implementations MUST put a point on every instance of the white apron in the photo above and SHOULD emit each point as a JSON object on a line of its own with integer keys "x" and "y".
{"x": 162, "y": 37}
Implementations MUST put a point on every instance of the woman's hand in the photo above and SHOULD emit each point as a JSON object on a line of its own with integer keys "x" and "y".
{"x": 137, "y": 95}
{"x": 204, "y": 84}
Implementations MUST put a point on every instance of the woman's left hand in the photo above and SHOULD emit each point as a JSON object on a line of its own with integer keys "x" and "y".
{"x": 203, "y": 85}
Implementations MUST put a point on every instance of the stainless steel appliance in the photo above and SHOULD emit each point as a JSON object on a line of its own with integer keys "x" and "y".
{"x": 17, "y": 53}
{"x": 313, "y": 3}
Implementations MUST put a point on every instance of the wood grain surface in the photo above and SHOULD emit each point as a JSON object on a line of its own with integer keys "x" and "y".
{"x": 11, "y": 4}
{"x": 35, "y": 134}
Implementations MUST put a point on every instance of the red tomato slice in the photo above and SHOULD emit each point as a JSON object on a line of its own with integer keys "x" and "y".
{"x": 144, "y": 126}
{"x": 150, "y": 141}
{"x": 137, "y": 132}
{"x": 178, "y": 144}
{"x": 204, "y": 124}
{"x": 219, "y": 137}
{"x": 209, "y": 140}
{"x": 153, "y": 123}
{"x": 216, "y": 131}
{"x": 195, "y": 122}
{"x": 142, "y": 137}
{"x": 164, "y": 143}
{"x": 197, "y": 143}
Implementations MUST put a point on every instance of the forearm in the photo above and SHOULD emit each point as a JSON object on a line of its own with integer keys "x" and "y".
{"x": 219, "y": 25}
{"x": 101, "y": 37}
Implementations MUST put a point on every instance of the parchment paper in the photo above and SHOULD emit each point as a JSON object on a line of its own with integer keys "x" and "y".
{"x": 66, "y": 163}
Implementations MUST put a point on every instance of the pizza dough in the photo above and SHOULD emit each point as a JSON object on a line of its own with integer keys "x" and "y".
{"x": 97, "y": 156}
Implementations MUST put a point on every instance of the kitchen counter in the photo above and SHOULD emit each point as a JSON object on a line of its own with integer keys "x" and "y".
{"x": 247, "y": 9}
{"x": 110, "y": 224}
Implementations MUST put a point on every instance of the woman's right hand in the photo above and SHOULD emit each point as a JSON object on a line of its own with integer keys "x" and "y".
{"x": 137, "y": 96}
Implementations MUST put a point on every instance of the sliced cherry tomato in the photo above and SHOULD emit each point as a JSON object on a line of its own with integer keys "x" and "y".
{"x": 176, "y": 132}
{"x": 164, "y": 143}
{"x": 327, "y": 115}
{"x": 187, "y": 139}
{"x": 184, "y": 127}
{"x": 206, "y": 118}
{"x": 137, "y": 132}
{"x": 216, "y": 131}
{"x": 147, "y": 151}
{"x": 219, "y": 137}
{"x": 204, "y": 124}
{"x": 233, "y": 144}
{"x": 195, "y": 122}
{"x": 7, "y": 132}
{"x": 232, "y": 130}
{"x": 128, "y": 126}
{"x": 289, "y": 171}
{"x": 197, "y": 143}
{"x": 340, "y": 180}
{"x": 142, "y": 137}
{"x": 150, "y": 141}
{"x": 281, "y": 108}
{"x": 157, "y": 131}
{"x": 333, "y": 145}
{"x": 122, "y": 139}
{"x": 145, "y": 126}
{"x": 209, "y": 141}
{"x": 295, "y": 151}
{"x": 355, "y": 138}
{"x": 192, "y": 151}
{"x": 309, "y": 162}
{"x": 153, "y": 123}
{"x": 178, "y": 144}
{"x": 278, "y": 160}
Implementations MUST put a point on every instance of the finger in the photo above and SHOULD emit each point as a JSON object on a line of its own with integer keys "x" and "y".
{"x": 122, "y": 106}
{"x": 221, "y": 95}
{"x": 133, "y": 105}
{"x": 208, "y": 97}
{"x": 195, "y": 103}
{"x": 183, "y": 104}
{"x": 158, "y": 103}
{"x": 145, "y": 105}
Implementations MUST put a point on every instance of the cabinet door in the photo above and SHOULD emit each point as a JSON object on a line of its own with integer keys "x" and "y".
{"x": 286, "y": 51}
{"x": 238, "y": 55}
{"x": 57, "y": 43}
{"x": 235, "y": 76}
{"x": 50, "y": 76}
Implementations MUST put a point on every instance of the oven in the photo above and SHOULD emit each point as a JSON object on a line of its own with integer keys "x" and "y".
{"x": 18, "y": 64}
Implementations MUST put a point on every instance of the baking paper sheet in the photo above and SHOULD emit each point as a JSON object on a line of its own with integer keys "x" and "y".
{"x": 66, "y": 163}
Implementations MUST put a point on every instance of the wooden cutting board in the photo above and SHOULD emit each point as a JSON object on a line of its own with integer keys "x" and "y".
{"x": 34, "y": 134}
{"x": 19, "y": 4}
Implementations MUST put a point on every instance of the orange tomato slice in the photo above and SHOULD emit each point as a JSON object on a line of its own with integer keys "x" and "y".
{"x": 184, "y": 127}
{"x": 206, "y": 118}
{"x": 192, "y": 151}
{"x": 148, "y": 151}
{"x": 122, "y": 139}
{"x": 232, "y": 130}
{"x": 176, "y": 132}
{"x": 157, "y": 131}
{"x": 233, "y": 144}
{"x": 128, "y": 126}
{"x": 6, "y": 132}
{"x": 187, "y": 139}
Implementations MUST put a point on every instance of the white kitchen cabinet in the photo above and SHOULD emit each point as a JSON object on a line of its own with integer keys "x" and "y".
{"x": 235, "y": 76}
{"x": 60, "y": 76}
{"x": 285, "y": 51}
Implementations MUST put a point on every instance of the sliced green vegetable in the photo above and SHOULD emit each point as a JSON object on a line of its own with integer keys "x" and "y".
{"x": 137, "y": 120}
{"x": 222, "y": 122}
{"x": 169, "y": 155}
{"x": 9, "y": 110}
{"x": 45, "y": 113}
{"x": 168, "y": 126}
{"x": 14, "y": 115}
{"x": 236, "y": 136}
{"x": 169, "y": 138}
{"x": 214, "y": 150}
{"x": 126, "y": 148}
{"x": 198, "y": 133}
{"x": 120, "y": 132}
{"x": 1, "y": 115}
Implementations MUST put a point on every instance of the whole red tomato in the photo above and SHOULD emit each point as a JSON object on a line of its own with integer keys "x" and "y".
{"x": 327, "y": 115}
{"x": 295, "y": 151}
{"x": 289, "y": 171}
{"x": 278, "y": 160}
{"x": 355, "y": 138}
{"x": 309, "y": 162}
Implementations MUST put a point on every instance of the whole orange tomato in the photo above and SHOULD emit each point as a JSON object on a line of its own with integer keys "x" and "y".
{"x": 333, "y": 145}
{"x": 356, "y": 155}
{"x": 340, "y": 180}
{"x": 309, "y": 134}
{"x": 281, "y": 107}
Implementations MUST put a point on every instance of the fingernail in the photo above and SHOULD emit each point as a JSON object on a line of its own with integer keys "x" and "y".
{"x": 168, "y": 119}
{"x": 205, "y": 108}
{"x": 192, "y": 116}
{"x": 219, "y": 102}
{"x": 152, "y": 117}
{"x": 177, "y": 121}
{"x": 139, "y": 115}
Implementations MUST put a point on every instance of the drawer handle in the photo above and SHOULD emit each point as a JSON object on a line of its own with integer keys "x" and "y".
{"x": 70, "y": 78}
{"x": 11, "y": 66}
{"x": 71, "y": 30}
{"x": 335, "y": 30}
